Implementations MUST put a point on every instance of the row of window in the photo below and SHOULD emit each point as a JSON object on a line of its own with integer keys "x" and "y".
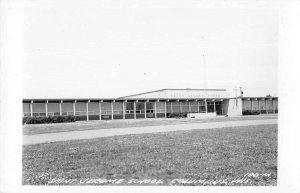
{"x": 79, "y": 113}
{"x": 55, "y": 107}
{"x": 260, "y": 105}
{"x": 39, "y": 109}
{"x": 202, "y": 109}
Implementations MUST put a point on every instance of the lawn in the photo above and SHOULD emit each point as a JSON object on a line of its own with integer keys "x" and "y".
{"x": 228, "y": 156}
{"x": 91, "y": 125}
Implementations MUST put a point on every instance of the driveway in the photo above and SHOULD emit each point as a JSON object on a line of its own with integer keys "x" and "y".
{"x": 89, "y": 134}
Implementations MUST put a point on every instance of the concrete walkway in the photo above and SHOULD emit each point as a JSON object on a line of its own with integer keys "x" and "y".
{"x": 89, "y": 134}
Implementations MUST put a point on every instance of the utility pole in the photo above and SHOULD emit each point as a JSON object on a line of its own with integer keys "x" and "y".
{"x": 204, "y": 71}
{"x": 236, "y": 102}
{"x": 241, "y": 92}
{"x": 205, "y": 91}
{"x": 235, "y": 91}
{"x": 204, "y": 74}
{"x": 236, "y": 95}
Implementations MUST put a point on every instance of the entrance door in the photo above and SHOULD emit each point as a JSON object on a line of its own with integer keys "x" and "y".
{"x": 219, "y": 108}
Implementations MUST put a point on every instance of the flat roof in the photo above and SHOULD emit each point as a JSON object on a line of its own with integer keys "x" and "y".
{"x": 136, "y": 97}
{"x": 251, "y": 98}
{"x": 166, "y": 89}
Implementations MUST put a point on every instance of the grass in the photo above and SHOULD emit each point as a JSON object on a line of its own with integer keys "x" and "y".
{"x": 213, "y": 154}
{"x": 91, "y": 125}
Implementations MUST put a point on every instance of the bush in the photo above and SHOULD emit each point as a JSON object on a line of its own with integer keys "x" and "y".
{"x": 177, "y": 115}
{"x": 247, "y": 112}
{"x": 43, "y": 120}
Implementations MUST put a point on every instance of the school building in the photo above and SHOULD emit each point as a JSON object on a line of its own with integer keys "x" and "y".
{"x": 196, "y": 103}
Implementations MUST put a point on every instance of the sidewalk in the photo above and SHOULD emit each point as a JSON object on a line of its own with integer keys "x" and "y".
{"x": 89, "y": 134}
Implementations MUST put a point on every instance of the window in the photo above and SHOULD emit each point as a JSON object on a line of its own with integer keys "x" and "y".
{"x": 202, "y": 108}
{"x": 149, "y": 107}
{"x": 210, "y": 107}
{"x": 129, "y": 107}
{"x": 140, "y": 108}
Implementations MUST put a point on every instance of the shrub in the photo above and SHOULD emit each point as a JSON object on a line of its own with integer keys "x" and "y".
{"x": 247, "y": 112}
{"x": 177, "y": 115}
{"x": 43, "y": 120}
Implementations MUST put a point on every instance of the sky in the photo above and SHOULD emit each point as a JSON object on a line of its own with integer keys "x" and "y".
{"x": 96, "y": 52}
